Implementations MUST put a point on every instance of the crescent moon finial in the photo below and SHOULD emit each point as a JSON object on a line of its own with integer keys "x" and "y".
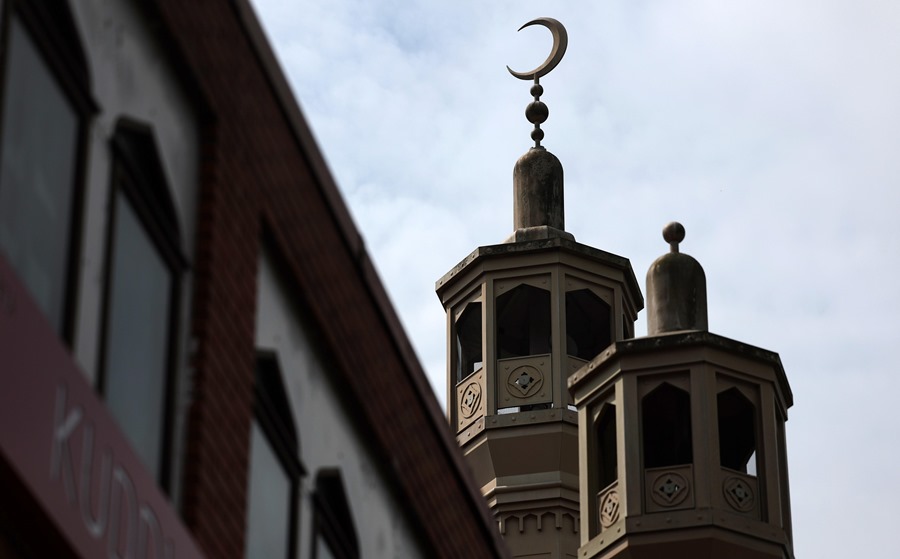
{"x": 537, "y": 112}
{"x": 560, "y": 43}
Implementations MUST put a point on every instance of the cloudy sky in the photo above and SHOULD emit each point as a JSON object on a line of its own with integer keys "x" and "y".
{"x": 770, "y": 129}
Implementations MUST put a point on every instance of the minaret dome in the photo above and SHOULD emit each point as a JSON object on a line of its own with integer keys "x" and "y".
{"x": 538, "y": 191}
{"x": 676, "y": 289}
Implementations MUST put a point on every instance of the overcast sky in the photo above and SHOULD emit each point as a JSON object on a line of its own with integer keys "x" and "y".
{"x": 770, "y": 129}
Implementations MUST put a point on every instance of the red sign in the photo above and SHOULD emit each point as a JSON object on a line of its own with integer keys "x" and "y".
{"x": 59, "y": 438}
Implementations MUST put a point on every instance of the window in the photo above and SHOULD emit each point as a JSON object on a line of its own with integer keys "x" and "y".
{"x": 268, "y": 500}
{"x": 523, "y": 322}
{"x": 44, "y": 107}
{"x": 588, "y": 325}
{"x": 144, "y": 267}
{"x": 468, "y": 341}
{"x": 335, "y": 534}
{"x": 666, "y": 424}
{"x": 737, "y": 431}
{"x": 275, "y": 468}
{"x": 607, "y": 464}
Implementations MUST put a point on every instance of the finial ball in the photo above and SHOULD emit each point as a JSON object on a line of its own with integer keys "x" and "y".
{"x": 537, "y": 90}
{"x": 536, "y": 112}
{"x": 673, "y": 232}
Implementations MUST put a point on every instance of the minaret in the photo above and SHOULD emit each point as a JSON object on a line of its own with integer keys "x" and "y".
{"x": 521, "y": 316}
{"x": 681, "y": 434}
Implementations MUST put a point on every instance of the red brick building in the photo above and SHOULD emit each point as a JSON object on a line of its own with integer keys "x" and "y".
{"x": 196, "y": 355}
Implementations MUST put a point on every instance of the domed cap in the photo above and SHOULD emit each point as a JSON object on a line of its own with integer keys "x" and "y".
{"x": 538, "y": 191}
{"x": 676, "y": 289}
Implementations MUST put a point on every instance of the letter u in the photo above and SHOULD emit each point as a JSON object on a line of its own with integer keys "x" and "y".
{"x": 95, "y": 526}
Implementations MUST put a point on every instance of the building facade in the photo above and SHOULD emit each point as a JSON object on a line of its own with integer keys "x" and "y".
{"x": 196, "y": 355}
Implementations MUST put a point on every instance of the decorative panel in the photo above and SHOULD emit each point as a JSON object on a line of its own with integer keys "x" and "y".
{"x": 669, "y": 488}
{"x": 524, "y": 381}
{"x": 608, "y": 506}
{"x": 741, "y": 492}
{"x": 470, "y": 394}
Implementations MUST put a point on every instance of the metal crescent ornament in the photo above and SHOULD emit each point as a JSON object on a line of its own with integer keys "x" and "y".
{"x": 560, "y": 42}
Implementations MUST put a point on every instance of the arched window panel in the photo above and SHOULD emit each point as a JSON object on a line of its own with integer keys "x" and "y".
{"x": 335, "y": 533}
{"x": 53, "y": 27}
{"x": 469, "y": 356}
{"x": 666, "y": 427}
{"x": 523, "y": 322}
{"x": 138, "y": 345}
{"x": 144, "y": 270}
{"x": 275, "y": 467}
{"x": 737, "y": 422}
{"x": 607, "y": 450}
{"x": 588, "y": 324}
{"x": 44, "y": 107}
{"x": 273, "y": 408}
{"x": 145, "y": 181}
{"x": 269, "y": 500}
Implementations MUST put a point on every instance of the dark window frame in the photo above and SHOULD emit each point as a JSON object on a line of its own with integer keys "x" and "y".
{"x": 50, "y": 26}
{"x": 666, "y": 427}
{"x": 606, "y": 436}
{"x": 271, "y": 411}
{"x": 739, "y": 431}
{"x": 510, "y": 335}
{"x": 594, "y": 330}
{"x": 333, "y": 520}
{"x": 468, "y": 330}
{"x": 137, "y": 175}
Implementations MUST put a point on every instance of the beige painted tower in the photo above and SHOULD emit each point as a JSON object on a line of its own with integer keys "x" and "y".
{"x": 521, "y": 317}
{"x": 681, "y": 435}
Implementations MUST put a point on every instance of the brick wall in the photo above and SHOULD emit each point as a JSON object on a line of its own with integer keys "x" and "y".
{"x": 223, "y": 327}
{"x": 260, "y": 165}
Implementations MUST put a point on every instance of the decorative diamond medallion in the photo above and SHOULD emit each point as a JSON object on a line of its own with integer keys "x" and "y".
{"x": 739, "y": 494}
{"x": 471, "y": 399}
{"x": 669, "y": 489}
{"x": 524, "y": 381}
{"x": 609, "y": 508}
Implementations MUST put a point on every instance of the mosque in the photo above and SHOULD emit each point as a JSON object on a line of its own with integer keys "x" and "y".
{"x": 197, "y": 358}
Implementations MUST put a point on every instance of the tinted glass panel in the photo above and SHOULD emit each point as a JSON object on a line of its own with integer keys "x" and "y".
{"x": 268, "y": 501}
{"x": 737, "y": 431}
{"x": 137, "y": 335}
{"x": 37, "y": 165}
{"x": 523, "y": 322}
{"x": 606, "y": 439}
{"x": 323, "y": 550}
{"x": 588, "y": 325}
{"x": 468, "y": 341}
{"x": 666, "y": 415}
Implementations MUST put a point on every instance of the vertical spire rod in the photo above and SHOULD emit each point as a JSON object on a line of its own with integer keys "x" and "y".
{"x": 537, "y": 112}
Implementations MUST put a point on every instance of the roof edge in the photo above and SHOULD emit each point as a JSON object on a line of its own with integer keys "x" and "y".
{"x": 356, "y": 246}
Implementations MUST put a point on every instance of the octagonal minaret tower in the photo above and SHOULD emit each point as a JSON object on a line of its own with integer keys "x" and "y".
{"x": 521, "y": 317}
{"x": 682, "y": 441}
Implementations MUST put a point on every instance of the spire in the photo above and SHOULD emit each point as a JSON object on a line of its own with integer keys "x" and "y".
{"x": 538, "y": 208}
{"x": 676, "y": 289}
{"x": 537, "y": 112}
